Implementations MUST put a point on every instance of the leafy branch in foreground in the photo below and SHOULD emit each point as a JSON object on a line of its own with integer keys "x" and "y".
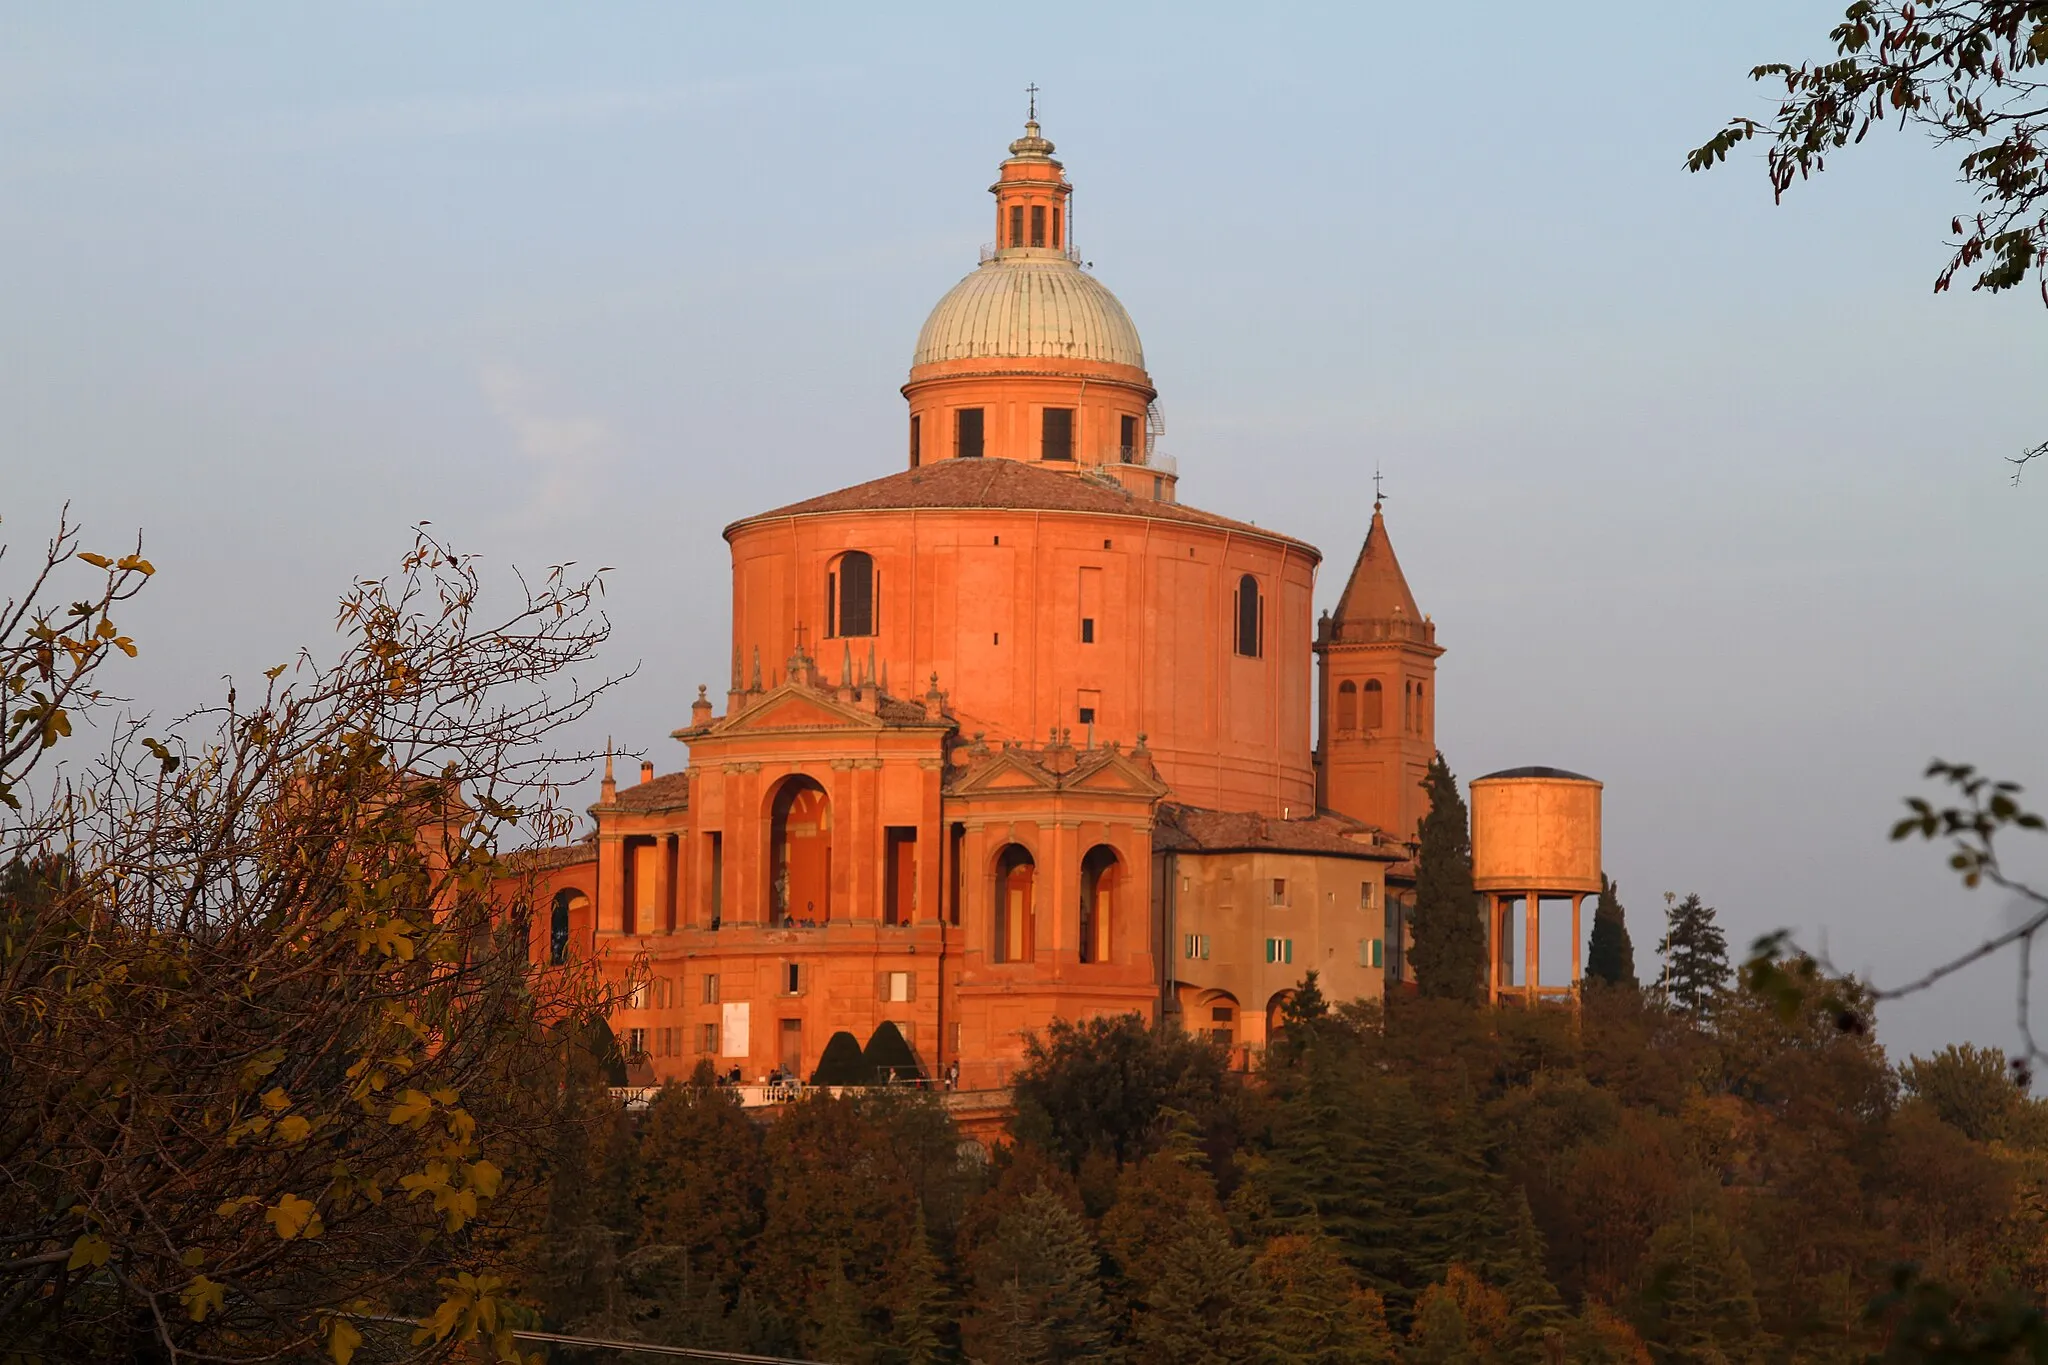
{"x": 1970, "y": 73}
{"x": 1987, "y": 809}
{"x": 273, "y": 1065}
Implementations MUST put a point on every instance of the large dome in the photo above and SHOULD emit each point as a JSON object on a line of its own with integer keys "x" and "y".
{"x": 1029, "y": 307}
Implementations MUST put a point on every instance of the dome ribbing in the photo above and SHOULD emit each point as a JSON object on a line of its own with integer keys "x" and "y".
{"x": 1028, "y": 307}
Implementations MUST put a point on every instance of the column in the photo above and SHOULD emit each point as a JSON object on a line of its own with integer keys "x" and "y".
{"x": 1532, "y": 969}
{"x": 1577, "y": 944}
{"x": 1493, "y": 910}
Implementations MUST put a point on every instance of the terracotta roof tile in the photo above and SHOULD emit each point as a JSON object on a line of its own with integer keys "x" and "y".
{"x": 1007, "y": 485}
{"x": 670, "y": 791}
{"x": 1193, "y": 829}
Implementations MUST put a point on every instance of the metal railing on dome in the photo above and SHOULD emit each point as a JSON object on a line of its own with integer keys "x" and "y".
{"x": 989, "y": 250}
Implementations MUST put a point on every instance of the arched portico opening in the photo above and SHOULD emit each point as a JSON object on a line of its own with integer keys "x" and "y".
{"x": 1215, "y": 1018}
{"x": 1276, "y": 1015}
{"x": 567, "y": 905}
{"x": 1100, "y": 874}
{"x": 1015, "y": 881}
{"x": 800, "y": 853}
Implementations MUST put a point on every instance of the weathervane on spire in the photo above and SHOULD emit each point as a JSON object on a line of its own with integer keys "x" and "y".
{"x": 1377, "y": 496}
{"x": 1032, "y": 91}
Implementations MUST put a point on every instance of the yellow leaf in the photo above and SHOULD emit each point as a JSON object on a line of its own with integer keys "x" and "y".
{"x": 138, "y": 564}
{"x": 97, "y": 561}
{"x": 125, "y": 645}
{"x": 342, "y": 1340}
{"x": 412, "y": 1107}
{"x": 202, "y": 1296}
{"x": 89, "y": 1250}
{"x": 289, "y": 1216}
{"x": 235, "y": 1206}
{"x": 194, "y": 1258}
{"x": 293, "y": 1129}
{"x": 275, "y": 1099}
{"x": 273, "y": 674}
{"x": 484, "y": 1177}
{"x": 445, "y": 1095}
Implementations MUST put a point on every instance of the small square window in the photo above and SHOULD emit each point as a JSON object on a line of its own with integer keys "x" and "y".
{"x": 1087, "y": 715}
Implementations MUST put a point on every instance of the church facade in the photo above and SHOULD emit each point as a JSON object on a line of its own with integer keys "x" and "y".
{"x": 1013, "y": 733}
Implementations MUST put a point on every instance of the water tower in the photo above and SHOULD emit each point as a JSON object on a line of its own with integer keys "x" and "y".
{"x": 1535, "y": 837}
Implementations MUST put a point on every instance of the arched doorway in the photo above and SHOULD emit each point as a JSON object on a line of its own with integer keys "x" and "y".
{"x": 800, "y": 854}
{"x": 1215, "y": 1018}
{"x": 1276, "y": 1018}
{"x": 1016, "y": 875}
{"x": 561, "y": 914}
{"x": 1100, "y": 873}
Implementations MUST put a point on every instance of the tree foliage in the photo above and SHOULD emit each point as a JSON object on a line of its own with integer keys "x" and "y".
{"x": 1449, "y": 951}
{"x": 268, "y": 1042}
{"x": 1610, "y": 955}
{"x": 1695, "y": 953}
{"x": 1100, "y": 1085}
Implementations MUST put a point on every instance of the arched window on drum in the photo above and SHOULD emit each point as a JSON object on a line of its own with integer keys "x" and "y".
{"x": 851, "y": 590}
{"x": 1251, "y": 618}
{"x": 1375, "y": 705}
{"x": 1347, "y": 705}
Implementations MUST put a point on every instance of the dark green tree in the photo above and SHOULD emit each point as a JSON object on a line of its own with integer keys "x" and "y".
{"x": 919, "y": 1316}
{"x": 1039, "y": 1284}
{"x": 1610, "y": 956}
{"x": 1695, "y": 954}
{"x": 1699, "y": 1300}
{"x": 842, "y": 1063}
{"x": 701, "y": 1182}
{"x": 1203, "y": 1299}
{"x": 1100, "y": 1085}
{"x": 888, "y": 1056}
{"x": 1449, "y": 951}
{"x": 1318, "y": 1314}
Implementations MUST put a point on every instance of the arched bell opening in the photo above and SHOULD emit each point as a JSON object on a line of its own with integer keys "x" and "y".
{"x": 567, "y": 905}
{"x": 800, "y": 854}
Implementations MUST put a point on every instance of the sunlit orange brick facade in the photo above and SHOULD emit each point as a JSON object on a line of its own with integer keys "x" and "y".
{"x": 1011, "y": 734}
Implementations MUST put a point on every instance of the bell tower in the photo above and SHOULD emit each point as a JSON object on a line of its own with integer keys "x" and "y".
{"x": 1376, "y": 689}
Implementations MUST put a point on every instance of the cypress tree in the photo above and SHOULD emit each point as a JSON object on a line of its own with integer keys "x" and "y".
{"x": 1610, "y": 956}
{"x": 1695, "y": 954}
{"x": 1449, "y": 951}
{"x": 888, "y": 1056}
{"x": 918, "y": 1316}
{"x": 842, "y": 1063}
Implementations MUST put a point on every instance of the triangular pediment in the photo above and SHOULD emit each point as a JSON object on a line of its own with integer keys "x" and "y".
{"x": 1115, "y": 772}
{"x": 791, "y": 707}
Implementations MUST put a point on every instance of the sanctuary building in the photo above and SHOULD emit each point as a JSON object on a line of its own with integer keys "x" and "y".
{"x": 1013, "y": 733}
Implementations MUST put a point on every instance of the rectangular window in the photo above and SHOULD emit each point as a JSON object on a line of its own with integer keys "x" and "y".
{"x": 1196, "y": 947}
{"x": 1016, "y": 225}
{"x": 899, "y": 987}
{"x": 711, "y": 988}
{"x": 1279, "y": 891}
{"x": 1090, "y": 598}
{"x": 1056, "y": 225}
{"x": 967, "y": 433}
{"x": 1365, "y": 895}
{"x": 792, "y": 978}
{"x": 1056, "y": 434}
{"x": 916, "y": 441}
{"x": 1087, "y": 630}
{"x": 953, "y": 1039}
{"x": 707, "y": 1038}
{"x": 956, "y": 849}
{"x": 636, "y": 996}
{"x": 1088, "y": 704}
{"x": 899, "y": 874}
{"x": 1222, "y": 1014}
{"x": 1127, "y": 440}
{"x": 1280, "y": 950}
{"x": 636, "y": 1042}
{"x": 1038, "y": 225}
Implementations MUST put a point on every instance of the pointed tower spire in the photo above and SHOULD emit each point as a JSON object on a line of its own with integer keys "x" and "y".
{"x": 608, "y": 790}
{"x": 1376, "y": 687}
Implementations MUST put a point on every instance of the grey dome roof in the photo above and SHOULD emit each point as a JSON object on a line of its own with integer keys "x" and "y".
{"x": 1556, "y": 773}
{"x": 1029, "y": 305}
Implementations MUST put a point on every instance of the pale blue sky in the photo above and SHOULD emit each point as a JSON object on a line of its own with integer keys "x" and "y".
{"x": 1705, "y": 495}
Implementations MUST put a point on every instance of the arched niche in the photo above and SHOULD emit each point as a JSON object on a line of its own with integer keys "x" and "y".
{"x": 568, "y": 906}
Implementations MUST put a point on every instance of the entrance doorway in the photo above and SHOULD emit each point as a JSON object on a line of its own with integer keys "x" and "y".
{"x": 793, "y": 1047}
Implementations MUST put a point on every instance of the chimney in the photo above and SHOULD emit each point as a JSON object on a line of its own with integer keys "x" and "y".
{"x": 646, "y": 770}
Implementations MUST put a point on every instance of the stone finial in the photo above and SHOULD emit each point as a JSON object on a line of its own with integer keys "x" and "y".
{"x": 757, "y": 668}
{"x": 608, "y": 790}
{"x": 846, "y": 666}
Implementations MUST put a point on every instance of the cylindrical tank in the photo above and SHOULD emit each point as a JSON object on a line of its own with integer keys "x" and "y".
{"x": 1536, "y": 829}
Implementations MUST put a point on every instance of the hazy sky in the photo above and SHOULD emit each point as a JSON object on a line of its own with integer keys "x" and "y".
{"x": 1706, "y": 496}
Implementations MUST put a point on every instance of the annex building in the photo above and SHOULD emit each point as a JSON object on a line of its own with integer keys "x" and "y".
{"x": 1013, "y": 733}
